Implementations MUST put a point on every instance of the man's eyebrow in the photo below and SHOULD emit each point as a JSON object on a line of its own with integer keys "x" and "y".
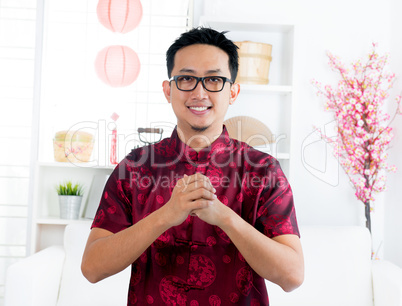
{"x": 213, "y": 71}
{"x": 189, "y": 70}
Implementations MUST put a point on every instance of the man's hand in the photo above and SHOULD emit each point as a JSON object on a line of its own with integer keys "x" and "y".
{"x": 214, "y": 214}
{"x": 107, "y": 253}
{"x": 191, "y": 193}
{"x": 279, "y": 260}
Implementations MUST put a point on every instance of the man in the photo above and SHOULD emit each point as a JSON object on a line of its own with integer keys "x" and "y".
{"x": 202, "y": 218}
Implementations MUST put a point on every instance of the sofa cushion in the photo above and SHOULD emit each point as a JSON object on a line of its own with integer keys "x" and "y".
{"x": 337, "y": 269}
{"x": 75, "y": 289}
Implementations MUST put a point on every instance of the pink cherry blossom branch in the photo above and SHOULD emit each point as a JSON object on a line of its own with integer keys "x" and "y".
{"x": 364, "y": 131}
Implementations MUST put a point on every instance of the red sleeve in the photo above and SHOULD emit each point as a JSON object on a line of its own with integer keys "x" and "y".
{"x": 276, "y": 212}
{"x": 115, "y": 209}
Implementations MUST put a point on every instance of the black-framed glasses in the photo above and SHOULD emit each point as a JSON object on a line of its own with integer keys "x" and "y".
{"x": 210, "y": 83}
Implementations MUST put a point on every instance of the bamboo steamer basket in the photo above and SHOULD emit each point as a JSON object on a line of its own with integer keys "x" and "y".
{"x": 254, "y": 61}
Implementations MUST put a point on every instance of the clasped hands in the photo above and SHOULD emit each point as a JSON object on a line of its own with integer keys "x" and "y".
{"x": 194, "y": 195}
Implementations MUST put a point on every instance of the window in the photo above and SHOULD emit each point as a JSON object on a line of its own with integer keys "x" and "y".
{"x": 73, "y": 97}
{"x": 70, "y": 91}
{"x": 17, "y": 51}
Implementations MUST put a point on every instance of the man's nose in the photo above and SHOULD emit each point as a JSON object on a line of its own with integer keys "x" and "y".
{"x": 199, "y": 90}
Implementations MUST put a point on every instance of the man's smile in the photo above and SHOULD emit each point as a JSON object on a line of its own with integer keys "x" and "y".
{"x": 199, "y": 110}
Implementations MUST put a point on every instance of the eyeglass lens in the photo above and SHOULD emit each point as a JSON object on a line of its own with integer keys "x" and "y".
{"x": 210, "y": 83}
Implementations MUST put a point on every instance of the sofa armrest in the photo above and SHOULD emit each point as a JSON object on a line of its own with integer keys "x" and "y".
{"x": 35, "y": 280}
{"x": 387, "y": 283}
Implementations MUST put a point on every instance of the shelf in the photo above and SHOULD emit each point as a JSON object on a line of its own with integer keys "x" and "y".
{"x": 76, "y": 165}
{"x": 276, "y": 155}
{"x": 58, "y": 221}
{"x": 279, "y": 89}
{"x": 282, "y": 156}
{"x": 237, "y": 24}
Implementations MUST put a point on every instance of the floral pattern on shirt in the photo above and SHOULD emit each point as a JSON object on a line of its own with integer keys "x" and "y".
{"x": 196, "y": 263}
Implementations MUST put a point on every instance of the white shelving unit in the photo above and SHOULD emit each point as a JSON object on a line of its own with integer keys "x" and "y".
{"x": 47, "y": 227}
{"x": 273, "y": 103}
{"x": 273, "y": 89}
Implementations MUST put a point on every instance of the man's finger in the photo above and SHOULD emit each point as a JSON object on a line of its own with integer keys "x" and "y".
{"x": 198, "y": 180}
{"x": 199, "y": 177}
{"x": 201, "y": 184}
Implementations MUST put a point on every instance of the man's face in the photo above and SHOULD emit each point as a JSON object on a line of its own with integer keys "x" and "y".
{"x": 199, "y": 110}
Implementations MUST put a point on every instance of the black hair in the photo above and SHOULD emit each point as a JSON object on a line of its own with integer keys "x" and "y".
{"x": 207, "y": 36}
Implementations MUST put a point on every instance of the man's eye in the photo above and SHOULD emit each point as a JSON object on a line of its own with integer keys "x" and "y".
{"x": 186, "y": 79}
{"x": 213, "y": 80}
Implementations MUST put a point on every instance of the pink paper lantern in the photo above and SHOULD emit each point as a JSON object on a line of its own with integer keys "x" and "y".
{"x": 117, "y": 66}
{"x": 119, "y": 15}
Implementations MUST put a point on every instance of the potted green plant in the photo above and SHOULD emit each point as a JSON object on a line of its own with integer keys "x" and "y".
{"x": 70, "y": 198}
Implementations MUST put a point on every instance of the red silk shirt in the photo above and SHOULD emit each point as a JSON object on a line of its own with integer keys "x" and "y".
{"x": 196, "y": 263}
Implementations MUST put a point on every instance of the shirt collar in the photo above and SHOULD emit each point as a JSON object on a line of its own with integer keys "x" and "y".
{"x": 186, "y": 153}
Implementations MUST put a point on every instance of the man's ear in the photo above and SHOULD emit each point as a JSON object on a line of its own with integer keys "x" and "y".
{"x": 234, "y": 92}
{"x": 166, "y": 90}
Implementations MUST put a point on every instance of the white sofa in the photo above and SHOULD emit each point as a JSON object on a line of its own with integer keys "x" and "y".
{"x": 339, "y": 271}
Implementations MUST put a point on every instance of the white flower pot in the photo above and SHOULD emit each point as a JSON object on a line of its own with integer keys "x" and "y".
{"x": 69, "y": 206}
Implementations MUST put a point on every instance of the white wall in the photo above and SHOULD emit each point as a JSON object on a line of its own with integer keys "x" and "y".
{"x": 346, "y": 28}
{"x": 393, "y": 205}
